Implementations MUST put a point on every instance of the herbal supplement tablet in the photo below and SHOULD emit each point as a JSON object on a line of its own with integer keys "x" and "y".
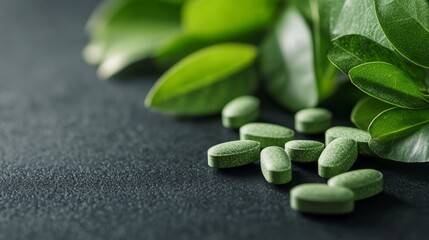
{"x": 360, "y": 136}
{"x": 275, "y": 165}
{"x": 320, "y": 198}
{"x": 364, "y": 183}
{"x": 242, "y": 110}
{"x": 338, "y": 157}
{"x": 304, "y": 150}
{"x": 266, "y": 134}
{"x": 233, "y": 154}
{"x": 312, "y": 120}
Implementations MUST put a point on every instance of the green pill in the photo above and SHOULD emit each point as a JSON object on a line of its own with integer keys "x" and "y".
{"x": 233, "y": 154}
{"x": 320, "y": 198}
{"x": 275, "y": 165}
{"x": 360, "y": 136}
{"x": 242, "y": 110}
{"x": 304, "y": 150}
{"x": 338, "y": 157}
{"x": 364, "y": 183}
{"x": 313, "y": 120}
{"x": 266, "y": 134}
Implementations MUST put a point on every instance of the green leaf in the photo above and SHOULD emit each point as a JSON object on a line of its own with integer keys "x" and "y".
{"x": 397, "y": 123}
{"x": 288, "y": 63}
{"x": 365, "y": 110}
{"x": 406, "y": 25}
{"x": 388, "y": 83}
{"x": 401, "y": 135}
{"x": 220, "y": 19}
{"x": 203, "y": 82}
{"x": 349, "y": 51}
{"x": 132, "y": 34}
{"x": 359, "y": 17}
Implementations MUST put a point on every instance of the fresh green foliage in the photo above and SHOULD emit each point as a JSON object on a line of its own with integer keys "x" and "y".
{"x": 388, "y": 83}
{"x": 205, "y": 81}
{"x": 366, "y": 110}
{"x": 401, "y": 135}
{"x": 406, "y": 25}
{"x": 396, "y": 115}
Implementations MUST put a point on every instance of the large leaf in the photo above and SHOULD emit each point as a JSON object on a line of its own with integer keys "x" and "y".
{"x": 348, "y": 51}
{"x": 288, "y": 63}
{"x": 388, "y": 83}
{"x": 203, "y": 82}
{"x": 359, "y": 17}
{"x": 132, "y": 34}
{"x": 397, "y": 123}
{"x": 365, "y": 110}
{"x": 222, "y": 19}
{"x": 401, "y": 135}
{"x": 406, "y": 25}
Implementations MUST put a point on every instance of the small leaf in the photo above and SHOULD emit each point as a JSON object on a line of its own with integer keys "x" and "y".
{"x": 401, "y": 135}
{"x": 365, "y": 110}
{"x": 203, "y": 82}
{"x": 388, "y": 83}
{"x": 397, "y": 123}
{"x": 288, "y": 63}
{"x": 214, "y": 19}
{"x": 406, "y": 25}
{"x": 359, "y": 17}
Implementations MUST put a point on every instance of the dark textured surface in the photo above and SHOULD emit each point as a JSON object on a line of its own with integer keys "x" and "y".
{"x": 83, "y": 159}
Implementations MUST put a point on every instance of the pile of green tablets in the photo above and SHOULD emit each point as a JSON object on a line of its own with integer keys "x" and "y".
{"x": 274, "y": 146}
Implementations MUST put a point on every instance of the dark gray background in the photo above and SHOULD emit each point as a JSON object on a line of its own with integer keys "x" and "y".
{"x": 83, "y": 159}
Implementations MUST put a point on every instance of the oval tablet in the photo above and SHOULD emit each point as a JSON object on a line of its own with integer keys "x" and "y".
{"x": 266, "y": 134}
{"x": 338, "y": 157}
{"x": 364, "y": 183}
{"x": 275, "y": 165}
{"x": 320, "y": 198}
{"x": 313, "y": 120}
{"x": 242, "y": 110}
{"x": 360, "y": 136}
{"x": 233, "y": 154}
{"x": 304, "y": 150}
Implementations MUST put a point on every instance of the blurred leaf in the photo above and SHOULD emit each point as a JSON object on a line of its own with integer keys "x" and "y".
{"x": 406, "y": 25}
{"x": 103, "y": 13}
{"x": 287, "y": 60}
{"x": 321, "y": 13}
{"x": 365, "y": 110}
{"x": 132, "y": 34}
{"x": 348, "y": 51}
{"x": 401, "y": 135}
{"x": 220, "y": 19}
{"x": 179, "y": 47}
{"x": 359, "y": 17}
{"x": 203, "y": 82}
{"x": 388, "y": 83}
